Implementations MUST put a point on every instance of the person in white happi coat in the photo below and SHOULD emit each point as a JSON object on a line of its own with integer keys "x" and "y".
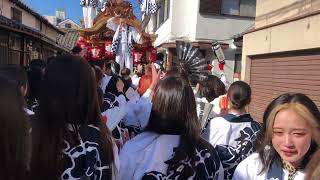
{"x": 234, "y": 135}
{"x": 148, "y": 7}
{"x": 88, "y": 9}
{"x": 170, "y": 147}
{"x": 122, "y": 43}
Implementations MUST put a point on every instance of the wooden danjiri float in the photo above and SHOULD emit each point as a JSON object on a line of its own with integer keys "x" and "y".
{"x": 116, "y": 34}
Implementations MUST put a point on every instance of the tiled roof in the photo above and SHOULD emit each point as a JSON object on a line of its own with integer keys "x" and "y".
{"x": 37, "y": 15}
{"x": 69, "y": 39}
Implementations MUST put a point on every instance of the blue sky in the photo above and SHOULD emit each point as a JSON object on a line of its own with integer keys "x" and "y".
{"x": 72, "y": 7}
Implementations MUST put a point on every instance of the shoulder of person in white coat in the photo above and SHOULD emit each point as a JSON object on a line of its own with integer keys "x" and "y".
{"x": 251, "y": 167}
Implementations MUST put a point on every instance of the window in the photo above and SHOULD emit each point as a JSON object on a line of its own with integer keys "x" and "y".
{"x": 15, "y": 42}
{"x": 228, "y": 7}
{"x": 67, "y": 25}
{"x": 15, "y": 49}
{"x": 16, "y": 14}
{"x": 210, "y": 7}
{"x": 163, "y": 13}
{"x": 248, "y": 8}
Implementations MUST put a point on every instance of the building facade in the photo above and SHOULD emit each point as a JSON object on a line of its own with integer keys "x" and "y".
{"x": 201, "y": 22}
{"x": 25, "y": 34}
{"x": 68, "y": 24}
{"x": 282, "y": 53}
{"x": 61, "y": 21}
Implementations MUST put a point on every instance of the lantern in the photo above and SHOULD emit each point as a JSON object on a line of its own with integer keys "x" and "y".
{"x": 217, "y": 49}
{"x": 152, "y": 54}
{"x": 137, "y": 57}
{"x": 95, "y": 53}
{"x": 108, "y": 54}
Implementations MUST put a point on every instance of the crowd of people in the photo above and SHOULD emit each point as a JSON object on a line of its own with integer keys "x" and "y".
{"x": 66, "y": 118}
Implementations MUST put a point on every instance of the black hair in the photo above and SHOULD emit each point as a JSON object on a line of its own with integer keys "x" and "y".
{"x": 175, "y": 91}
{"x": 160, "y": 56}
{"x": 125, "y": 72}
{"x": 239, "y": 94}
{"x": 211, "y": 88}
{"x": 16, "y": 73}
{"x": 76, "y": 50}
{"x": 35, "y": 72}
{"x": 108, "y": 65}
{"x": 70, "y": 98}
{"x": 101, "y": 63}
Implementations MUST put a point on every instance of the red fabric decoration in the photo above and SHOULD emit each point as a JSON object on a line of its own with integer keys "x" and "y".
{"x": 95, "y": 53}
{"x": 137, "y": 57}
{"x": 107, "y": 51}
{"x": 82, "y": 37}
{"x": 221, "y": 66}
{"x": 210, "y": 67}
{"x": 152, "y": 54}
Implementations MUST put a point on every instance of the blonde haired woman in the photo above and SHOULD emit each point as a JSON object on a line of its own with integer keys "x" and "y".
{"x": 291, "y": 125}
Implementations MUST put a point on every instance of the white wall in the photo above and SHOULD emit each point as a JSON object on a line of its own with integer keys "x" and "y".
{"x": 6, "y": 8}
{"x": 164, "y": 31}
{"x": 221, "y": 27}
{"x": 73, "y": 24}
{"x": 184, "y": 19}
{"x": 51, "y": 19}
{"x": 27, "y": 18}
{"x": 187, "y": 23}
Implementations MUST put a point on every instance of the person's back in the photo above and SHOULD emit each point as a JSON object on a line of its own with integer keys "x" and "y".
{"x": 171, "y": 146}
{"x": 70, "y": 140}
{"x": 85, "y": 158}
{"x": 235, "y": 134}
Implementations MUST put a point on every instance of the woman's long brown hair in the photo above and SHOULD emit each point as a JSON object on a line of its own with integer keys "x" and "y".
{"x": 69, "y": 98}
{"x": 14, "y": 128}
